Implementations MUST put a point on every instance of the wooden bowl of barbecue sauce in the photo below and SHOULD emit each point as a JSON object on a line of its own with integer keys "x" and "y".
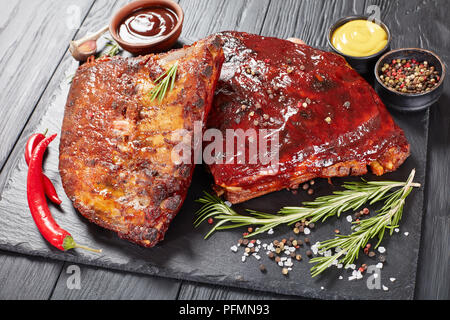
{"x": 147, "y": 26}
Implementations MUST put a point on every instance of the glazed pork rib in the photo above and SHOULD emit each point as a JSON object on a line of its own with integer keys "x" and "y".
{"x": 330, "y": 122}
{"x": 115, "y": 152}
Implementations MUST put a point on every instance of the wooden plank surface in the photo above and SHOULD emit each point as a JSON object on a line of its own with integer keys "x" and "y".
{"x": 27, "y": 278}
{"x": 284, "y": 18}
{"x": 101, "y": 284}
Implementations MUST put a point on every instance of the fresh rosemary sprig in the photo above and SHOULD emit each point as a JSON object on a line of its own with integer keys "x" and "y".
{"x": 112, "y": 47}
{"x": 164, "y": 83}
{"x": 349, "y": 245}
{"x": 355, "y": 195}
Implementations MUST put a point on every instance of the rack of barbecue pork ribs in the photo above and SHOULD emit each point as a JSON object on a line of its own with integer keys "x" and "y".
{"x": 116, "y": 145}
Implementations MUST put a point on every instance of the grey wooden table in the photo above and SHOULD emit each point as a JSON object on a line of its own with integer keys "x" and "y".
{"x": 34, "y": 37}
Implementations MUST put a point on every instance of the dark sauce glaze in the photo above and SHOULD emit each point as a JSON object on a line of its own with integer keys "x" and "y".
{"x": 264, "y": 85}
{"x": 147, "y": 25}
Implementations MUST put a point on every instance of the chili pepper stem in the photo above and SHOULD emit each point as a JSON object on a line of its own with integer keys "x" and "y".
{"x": 45, "y": 132}
{"x": 69, "y": 243}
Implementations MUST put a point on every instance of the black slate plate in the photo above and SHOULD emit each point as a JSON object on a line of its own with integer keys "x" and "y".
{"x": 185, "y": 255}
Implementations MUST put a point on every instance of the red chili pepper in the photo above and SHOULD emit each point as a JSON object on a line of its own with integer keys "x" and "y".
{"x": 37, "y": 203}
{"x": 49, "y": 188}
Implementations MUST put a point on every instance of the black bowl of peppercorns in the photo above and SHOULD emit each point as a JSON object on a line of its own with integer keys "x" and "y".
{"x": 409, "y": 79}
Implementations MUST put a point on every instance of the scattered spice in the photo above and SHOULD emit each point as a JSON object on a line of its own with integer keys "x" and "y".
{"x": 263, "y": 268}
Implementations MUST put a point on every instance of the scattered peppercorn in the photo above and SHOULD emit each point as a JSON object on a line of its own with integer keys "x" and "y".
{"x": 298, "y": 257}
{"x": 365, "y": 211}
{"x": 311, "y": 225}
{"x": 262, "y": 268}
{"x": 296, "y": 230}
{"x": 210, "y": 220}
{"x": 382, "y": 258}
{"x": 305, "y": 186}
{"x": 309, "y": 253}
{"x": 285, "y": 271}
{"x": 310, "y": 192}
{"x": 277, "y": 259}
{"x": 372, "y": 254}
{"x": 307, "y": 241}
{"x": 271, "y": 255}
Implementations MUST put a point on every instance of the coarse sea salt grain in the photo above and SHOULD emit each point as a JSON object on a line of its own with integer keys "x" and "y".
{"x": 341, "y": 277}
{"x": 281, "y": 264}
{"x": 406, "y": 234}
{"x": 340, "y": 265}
{"x": 250, "y": 245}
{"x": 306, "y": 231}
{"x": 314, "y": 248}
{"x": 349, "y": 218}
{"x": 243, "y": 258}
{"x": 392, "y": 279}
{"x": 381, "y": 249}
{"x": 397, "y": 230}
{"x": 385, "y": 288}
{"x": 379, "y": 265}
{"x": 270, "y": 231}
{"x": 234, "y": 249}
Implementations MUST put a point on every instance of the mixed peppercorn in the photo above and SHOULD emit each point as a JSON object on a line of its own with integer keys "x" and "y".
{"x": 409, "y": 76}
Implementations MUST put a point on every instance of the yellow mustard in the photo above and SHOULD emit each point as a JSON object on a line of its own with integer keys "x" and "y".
{"x": 359, "y": 38}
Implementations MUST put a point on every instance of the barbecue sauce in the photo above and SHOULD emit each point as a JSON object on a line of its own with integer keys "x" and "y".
{"x": 147, "y": 25}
